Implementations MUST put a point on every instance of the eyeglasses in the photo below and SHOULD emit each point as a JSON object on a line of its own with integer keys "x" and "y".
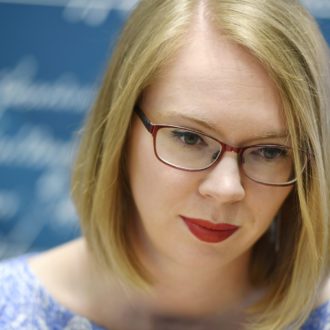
{"x": 191, "y": 150}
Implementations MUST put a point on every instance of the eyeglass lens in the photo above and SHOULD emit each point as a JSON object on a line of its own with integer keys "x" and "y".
{"x": 189, "y": 150}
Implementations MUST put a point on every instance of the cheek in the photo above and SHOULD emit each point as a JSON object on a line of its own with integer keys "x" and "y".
{"x": 154, "y": 185}
{"x": 267, "y": 201}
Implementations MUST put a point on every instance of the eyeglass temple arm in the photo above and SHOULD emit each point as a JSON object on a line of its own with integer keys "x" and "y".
{"x": 146, "y": 122}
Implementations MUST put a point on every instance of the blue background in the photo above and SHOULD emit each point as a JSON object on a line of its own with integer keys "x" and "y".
{"x": 51, "y": 63}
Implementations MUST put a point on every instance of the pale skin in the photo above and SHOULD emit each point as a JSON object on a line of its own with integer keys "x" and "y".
{"x": 210, "y": 80}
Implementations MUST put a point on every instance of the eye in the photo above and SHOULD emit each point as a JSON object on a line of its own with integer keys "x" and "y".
{"x": 188, "y": 138}
{"x": 269, "y": 153}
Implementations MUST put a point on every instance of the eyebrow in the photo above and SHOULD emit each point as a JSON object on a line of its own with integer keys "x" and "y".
{"x": 272, "y": 134}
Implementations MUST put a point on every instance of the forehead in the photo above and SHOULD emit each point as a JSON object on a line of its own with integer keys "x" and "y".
{"x": 214, "y": 79}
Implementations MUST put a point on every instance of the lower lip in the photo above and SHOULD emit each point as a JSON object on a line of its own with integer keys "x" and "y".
{"x": 208, "y": 235}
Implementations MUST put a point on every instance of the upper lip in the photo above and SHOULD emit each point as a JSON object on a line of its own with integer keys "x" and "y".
{"x": 211, "y": 225}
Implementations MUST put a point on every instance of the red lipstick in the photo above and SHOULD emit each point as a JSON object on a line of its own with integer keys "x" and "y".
{"x": 209, "y": 232}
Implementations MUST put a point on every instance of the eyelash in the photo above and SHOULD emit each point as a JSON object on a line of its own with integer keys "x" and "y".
{"x": 182, "y": 134}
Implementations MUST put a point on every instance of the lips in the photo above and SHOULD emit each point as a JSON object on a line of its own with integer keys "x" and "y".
{"x": 209, "y": 232}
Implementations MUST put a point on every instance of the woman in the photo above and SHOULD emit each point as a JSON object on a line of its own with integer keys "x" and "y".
{"x": 200, "y": 180}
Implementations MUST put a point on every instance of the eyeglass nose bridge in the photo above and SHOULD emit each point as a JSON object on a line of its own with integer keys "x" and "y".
{"x": 228, "y": 148}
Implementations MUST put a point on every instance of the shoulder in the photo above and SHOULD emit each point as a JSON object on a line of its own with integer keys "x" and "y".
{"x": 16, "y": 282}
{"x": 25, "y": 304}
{"x": 19, "y": 294}
{"x": 320, "y": 316}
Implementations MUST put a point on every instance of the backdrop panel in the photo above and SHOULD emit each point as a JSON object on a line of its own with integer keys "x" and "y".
{"x": 51, "y": 61}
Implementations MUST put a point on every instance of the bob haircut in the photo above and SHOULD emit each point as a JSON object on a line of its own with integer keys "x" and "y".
{"x": 287, "y": 42}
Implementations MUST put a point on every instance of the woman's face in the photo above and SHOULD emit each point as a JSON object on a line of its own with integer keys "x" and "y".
{"x": 218, "y": 88}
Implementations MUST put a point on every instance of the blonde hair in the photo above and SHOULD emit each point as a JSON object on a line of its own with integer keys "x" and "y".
{"x": 287, "y": 42}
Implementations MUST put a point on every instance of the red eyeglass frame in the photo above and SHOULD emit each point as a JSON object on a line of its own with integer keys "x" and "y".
{"x": 153, "y": 128}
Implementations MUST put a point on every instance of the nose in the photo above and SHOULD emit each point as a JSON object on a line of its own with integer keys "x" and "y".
{"x": 223, "y": 181}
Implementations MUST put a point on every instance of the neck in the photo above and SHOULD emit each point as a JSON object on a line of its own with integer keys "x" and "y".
{"x": 205, "y": 282}
{"x": 201, "y": 290}
{"x": 180, "y": 291}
